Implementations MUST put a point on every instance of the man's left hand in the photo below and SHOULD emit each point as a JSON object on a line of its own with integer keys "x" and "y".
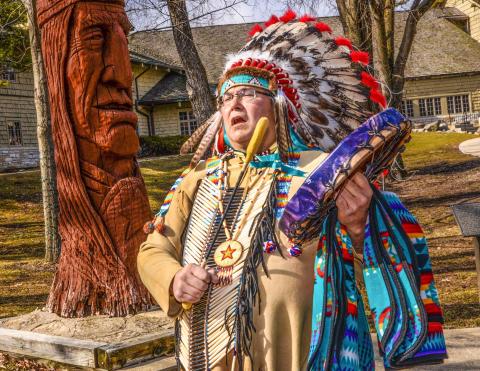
{"x": 353, "y": 202}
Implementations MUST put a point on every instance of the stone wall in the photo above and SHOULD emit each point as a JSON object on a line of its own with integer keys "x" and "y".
{"x": 18, "y": 157}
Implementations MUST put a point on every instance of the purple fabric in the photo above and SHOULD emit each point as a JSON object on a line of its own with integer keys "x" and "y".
{"x": 308, "y": 200}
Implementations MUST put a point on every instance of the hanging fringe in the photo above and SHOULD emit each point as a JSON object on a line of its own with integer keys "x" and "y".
{"x": 248, "y": 293}
{"x": 284, "y": 141}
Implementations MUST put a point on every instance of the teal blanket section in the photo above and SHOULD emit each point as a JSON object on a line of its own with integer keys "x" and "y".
{"x": 400, "y": 291}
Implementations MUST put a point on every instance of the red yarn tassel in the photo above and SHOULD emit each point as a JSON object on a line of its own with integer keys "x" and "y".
{"x": 261, "y": 64}
{"x": 306, "y": 18}
{"x": 378, "y": 97}
{"x": 360, "y": 57}
{"x": 323, "y": 27}
{"x": 160, "y": 225}
{"x": 342, "y": 41}
{"x": 369, "y": 81}
{"x": 288, "y": 16}
{"x": 255, "y": 29}
{"x": 220, "y": 145}
{"x": 273, "y": 19}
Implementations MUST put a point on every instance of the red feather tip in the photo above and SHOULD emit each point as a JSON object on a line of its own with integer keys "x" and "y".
{"x": 273, "y": 19}
{"x": 377, "y": 97}
{"x": 255, "y": 29}
{"x": 369, "y": 80}
{"x": 288, "y": 16}
{"x": 360, "y": 57}
{"x": 342, "y": 41}
{"x": 306, "y": 18}
{"x": 323, "y": 27}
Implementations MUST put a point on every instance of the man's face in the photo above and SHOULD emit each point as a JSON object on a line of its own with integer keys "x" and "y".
{"x": 99, "y": 79}
{"x": 240, "y": 117}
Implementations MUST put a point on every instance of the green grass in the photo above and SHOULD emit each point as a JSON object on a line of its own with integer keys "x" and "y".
{"x": 25, "y": 278}
{"x": 431, "y": 148}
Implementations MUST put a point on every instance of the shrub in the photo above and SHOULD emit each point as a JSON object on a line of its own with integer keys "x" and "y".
{"x": 160, "y": 146}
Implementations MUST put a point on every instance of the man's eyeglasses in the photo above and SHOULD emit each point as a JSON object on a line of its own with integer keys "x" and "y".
{"x": 244, "y": 95}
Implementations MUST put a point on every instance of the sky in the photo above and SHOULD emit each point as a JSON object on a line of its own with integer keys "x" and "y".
{"x": 245, "y": 12}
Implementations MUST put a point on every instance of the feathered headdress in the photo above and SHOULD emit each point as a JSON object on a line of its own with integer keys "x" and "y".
{"x": 321, "y": 85}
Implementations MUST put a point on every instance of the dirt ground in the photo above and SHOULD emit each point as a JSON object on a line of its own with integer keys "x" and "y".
{"x": 429, "y": 194}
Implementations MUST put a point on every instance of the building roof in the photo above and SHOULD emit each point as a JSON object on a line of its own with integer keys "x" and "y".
{"x": 439, "y": 48}
{"x": 453, "y": 13}
{"x": 143, "y": 59}
{"x": 170, "y": 89}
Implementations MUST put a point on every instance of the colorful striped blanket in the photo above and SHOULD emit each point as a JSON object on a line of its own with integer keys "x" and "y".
{"x": 400, "y": 289}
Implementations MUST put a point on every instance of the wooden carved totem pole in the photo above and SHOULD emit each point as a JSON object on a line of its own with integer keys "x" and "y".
{"x": 102, "y": 196}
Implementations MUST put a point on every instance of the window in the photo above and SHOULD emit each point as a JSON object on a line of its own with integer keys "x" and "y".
{"x": 14, "y": 133}
{"x": 423, "y": 108}
{"x": 8, "y": 75}
{"x": 458, "y": 104}
{"x": 437, "y": 106}
{"x": 188, "y": 122}
{"x": 430, "y": 106}
{"x": 407, "y": 108}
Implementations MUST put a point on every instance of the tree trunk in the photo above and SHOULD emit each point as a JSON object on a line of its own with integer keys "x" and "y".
{"x": 356, "y": 22}
{"x": 197, "y": 83}
{"x": 44, "y": 136}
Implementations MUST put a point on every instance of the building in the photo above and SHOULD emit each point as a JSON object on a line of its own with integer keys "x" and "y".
{"x": 442, "y": 74}
{"x": 442, "y": 78}
{"x": 465, "y": 14}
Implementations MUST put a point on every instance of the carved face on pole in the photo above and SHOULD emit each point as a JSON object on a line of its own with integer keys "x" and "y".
{"x": 102, "y": 196}
{"x": 99, "y": 80}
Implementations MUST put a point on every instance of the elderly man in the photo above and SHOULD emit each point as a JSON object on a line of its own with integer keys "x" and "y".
{"x": 216, "y": 241}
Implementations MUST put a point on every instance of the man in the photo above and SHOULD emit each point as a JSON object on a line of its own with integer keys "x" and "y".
{"x": 240, "y": 118}
{"x": 282, "y": 336}
{"x": 216, "y": 241}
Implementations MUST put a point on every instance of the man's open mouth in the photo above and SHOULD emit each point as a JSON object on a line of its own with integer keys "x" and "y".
{"x": 238, "y": 120}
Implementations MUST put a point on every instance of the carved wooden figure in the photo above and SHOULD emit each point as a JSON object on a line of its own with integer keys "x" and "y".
{"x": 102, "y": 196}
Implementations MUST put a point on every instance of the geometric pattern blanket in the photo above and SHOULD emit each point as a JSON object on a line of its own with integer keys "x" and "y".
{"x": 399, "y": 286}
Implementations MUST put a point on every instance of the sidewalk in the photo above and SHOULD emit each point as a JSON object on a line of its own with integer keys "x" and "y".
{"x": 470, "y": 147}
{"x": 463, "y": 346}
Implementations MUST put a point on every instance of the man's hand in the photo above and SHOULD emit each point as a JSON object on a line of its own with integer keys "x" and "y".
{"x": 353, "y": 202}
{"x": 190, "y": 283}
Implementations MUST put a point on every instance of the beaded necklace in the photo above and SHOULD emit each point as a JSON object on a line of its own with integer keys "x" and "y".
{"x": 229, "y": 252}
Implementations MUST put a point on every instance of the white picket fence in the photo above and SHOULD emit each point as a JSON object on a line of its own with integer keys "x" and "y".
{"x": 472, "y": 119}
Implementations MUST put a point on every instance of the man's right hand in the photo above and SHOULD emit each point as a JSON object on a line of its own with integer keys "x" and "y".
{"x": 190, "y": 283}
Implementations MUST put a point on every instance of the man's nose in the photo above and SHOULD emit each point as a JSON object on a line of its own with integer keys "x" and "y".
{"x": 236, "y": 103}
{"x": 117, "y": 70}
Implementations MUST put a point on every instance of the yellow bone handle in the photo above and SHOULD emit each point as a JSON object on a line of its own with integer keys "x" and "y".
{"x": 257, "y": 139}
